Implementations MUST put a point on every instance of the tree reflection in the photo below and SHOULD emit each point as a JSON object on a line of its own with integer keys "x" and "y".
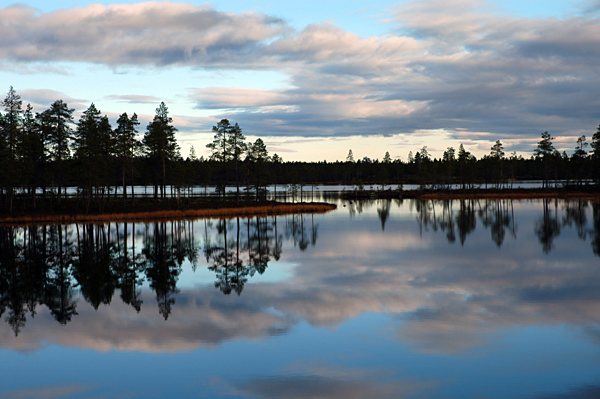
{"x": 163, "y": 265}
{"x": 466, "y": 220}
{"x": 235, "y": 259}
{"x": 596, "y": 229}
{"x": 220, "y": 256}
{"x": 94, "y": 265}
{"x": 59, "y": 293}
{"x": 129, "y": 269}
{"x": 498, "y": 216}
{"x": 383, "y": 211}
{"x": 575, "y": 215}
{"x": 11, "y": 283}
{"x": 548, "y": 227}
{"x": 49, "y": 264}
{"x": 447, "y": 223}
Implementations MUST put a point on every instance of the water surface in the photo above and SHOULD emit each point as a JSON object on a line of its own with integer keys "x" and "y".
{"x": 378, "y": 299}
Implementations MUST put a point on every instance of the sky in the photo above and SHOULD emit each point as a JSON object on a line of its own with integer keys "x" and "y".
{"x": 315, "y": 79}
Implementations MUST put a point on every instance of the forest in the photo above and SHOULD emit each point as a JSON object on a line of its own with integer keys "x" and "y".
{"x": 41, "y": 154}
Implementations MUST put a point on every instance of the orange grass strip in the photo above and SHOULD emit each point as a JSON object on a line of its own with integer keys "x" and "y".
{"x": 227, "y": 212}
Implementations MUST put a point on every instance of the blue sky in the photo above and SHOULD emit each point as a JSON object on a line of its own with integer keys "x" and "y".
{"x": 317, "y": 78}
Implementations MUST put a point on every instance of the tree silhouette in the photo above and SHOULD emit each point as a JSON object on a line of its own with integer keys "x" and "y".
{"x": 126, "y": 147}
{"x": 258, "y": 156}
{"x": 545, "y": 150}
{"x": 497, "y": 153}
{"x": 31, "y": 153}
{"x": 161, "y": 145}
{"x": 93, "y": 147}
{"x": 11, "y": 131}
{"x": 59, "y": 116}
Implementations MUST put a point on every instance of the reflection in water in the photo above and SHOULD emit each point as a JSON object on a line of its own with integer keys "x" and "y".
{"x": 596, "y": 229}
{"x": 387, "y": 305}
{"x": 548, "y": 227}
{"x": 52, "y": 265}
{"x": 48, "y": 264}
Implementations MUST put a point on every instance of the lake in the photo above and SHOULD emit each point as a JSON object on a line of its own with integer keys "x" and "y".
{"x": 378, "y": 299}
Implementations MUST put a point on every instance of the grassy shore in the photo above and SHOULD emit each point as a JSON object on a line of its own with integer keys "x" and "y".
{"x": 162, "y": 210}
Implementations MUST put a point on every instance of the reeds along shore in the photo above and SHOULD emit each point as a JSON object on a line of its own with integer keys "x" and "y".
{"x": 174, "y": 214}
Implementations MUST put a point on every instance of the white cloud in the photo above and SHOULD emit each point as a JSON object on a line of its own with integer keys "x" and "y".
{"x": 450, "y": 66}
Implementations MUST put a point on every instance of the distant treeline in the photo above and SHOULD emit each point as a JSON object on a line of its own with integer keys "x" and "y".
{"x": 43, "y": 153}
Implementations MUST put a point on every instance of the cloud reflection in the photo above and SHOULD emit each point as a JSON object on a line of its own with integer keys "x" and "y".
{"x": 441, "y": 297}
{"x": 332, "y": 382}
{"x": 46, "y": 392}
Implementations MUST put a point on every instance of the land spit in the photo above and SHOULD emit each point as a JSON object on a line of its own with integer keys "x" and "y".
{"x": 166, "y": 210}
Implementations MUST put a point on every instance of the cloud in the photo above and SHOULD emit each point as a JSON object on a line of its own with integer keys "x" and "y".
{"x": 449, "y": 66}
{"x": 151, "y": 33}
{"x": 135, "y": 99}
{"x": 452, "y": 66}
{"x": 41, "y": 99}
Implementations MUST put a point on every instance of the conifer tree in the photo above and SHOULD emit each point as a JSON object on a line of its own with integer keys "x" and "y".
{"x": 161, "y": 145}
{"x": 11, "y": 129}
{"x": 59, "y": 118}
{"x": 126, "y": 145}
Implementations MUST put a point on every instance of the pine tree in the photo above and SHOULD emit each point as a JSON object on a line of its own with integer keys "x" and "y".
{"x": 126, "y": 145}
{"x": 595, "y": 144}
{"x": 59, "y": 117}
{"x": 387, "y": 158}
{"x": 31, "y": 152}
{"x": 90, "y": 145}
{"x": 497, "y": 153}
{"x": 350, "y": 157}
{"x": 237, "y": 147}
{"x": 228, "y": 145}
{"x": 219, "y": 150}
{"x": 11, "y": 130}
{"x": 258, "y": 156}
{"x": 545, "y": 150}
{"x": 161, "y": 145}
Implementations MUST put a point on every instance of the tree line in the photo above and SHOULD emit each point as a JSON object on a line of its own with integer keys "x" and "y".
{"x": 41, "y": 154}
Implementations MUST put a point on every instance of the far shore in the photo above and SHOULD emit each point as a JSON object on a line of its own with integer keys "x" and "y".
{"x": 140, "y": 214}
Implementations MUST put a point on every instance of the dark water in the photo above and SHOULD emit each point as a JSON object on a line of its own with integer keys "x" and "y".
{"x": 461, "y": 299}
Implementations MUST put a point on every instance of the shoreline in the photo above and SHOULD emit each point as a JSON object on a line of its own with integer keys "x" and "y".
{"x": 228, "y": 211}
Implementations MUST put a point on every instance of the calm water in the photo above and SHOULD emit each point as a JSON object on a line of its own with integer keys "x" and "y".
{"x": 461, "y": 299}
